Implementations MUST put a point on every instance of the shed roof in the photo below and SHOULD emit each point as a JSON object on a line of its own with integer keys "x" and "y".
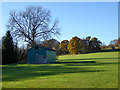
{"x": 44, "y": 48}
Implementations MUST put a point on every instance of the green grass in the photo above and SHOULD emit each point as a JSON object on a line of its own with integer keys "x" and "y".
{"x": 102, "y": 74}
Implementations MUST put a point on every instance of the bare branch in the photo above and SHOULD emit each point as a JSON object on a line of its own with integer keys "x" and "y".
{"x": 32, "y": 24}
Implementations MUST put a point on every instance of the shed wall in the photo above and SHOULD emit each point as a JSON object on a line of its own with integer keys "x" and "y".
{"x": 51, "y": 56}
{"x": 31, "y": 55}
{"x": 40, "y": 55}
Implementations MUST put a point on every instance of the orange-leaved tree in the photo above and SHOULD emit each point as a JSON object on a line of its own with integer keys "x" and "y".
{"x": 63, "y": 46}
{"x": 74, "y": 45}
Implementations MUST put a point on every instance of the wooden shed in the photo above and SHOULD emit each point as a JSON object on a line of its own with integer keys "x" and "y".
{"x": 40, "y": 54}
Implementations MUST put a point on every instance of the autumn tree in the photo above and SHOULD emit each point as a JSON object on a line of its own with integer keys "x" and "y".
{"x": 94, "y": 44}
{"x": 33, "y": 24}
{"x": 63, "y": 46}
{"x": 74, "y": 45}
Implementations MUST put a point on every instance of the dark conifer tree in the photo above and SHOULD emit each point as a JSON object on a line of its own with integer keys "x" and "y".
{"x": 8, "y": 50}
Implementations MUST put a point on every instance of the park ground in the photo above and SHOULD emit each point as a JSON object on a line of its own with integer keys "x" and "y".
{"x": 92, "y": 70}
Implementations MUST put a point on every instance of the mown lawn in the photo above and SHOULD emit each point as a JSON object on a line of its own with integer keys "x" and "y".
{"x": 102, "y": 74}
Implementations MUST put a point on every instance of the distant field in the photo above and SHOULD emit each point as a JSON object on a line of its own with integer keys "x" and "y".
{"x": 102, "y": 74}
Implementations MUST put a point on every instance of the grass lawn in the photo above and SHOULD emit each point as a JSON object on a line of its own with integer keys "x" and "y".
{"x": 102, "y": 74}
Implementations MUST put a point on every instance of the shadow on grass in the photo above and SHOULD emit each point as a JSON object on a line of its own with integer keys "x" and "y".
{"x": 85, "y": 59}
{"x": 25, "y": 72}
{"x": 91, "y": 64}
{"x": 76, "y": 62}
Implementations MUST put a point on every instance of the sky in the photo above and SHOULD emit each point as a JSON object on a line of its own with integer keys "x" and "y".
{"x": 82, "y": 19}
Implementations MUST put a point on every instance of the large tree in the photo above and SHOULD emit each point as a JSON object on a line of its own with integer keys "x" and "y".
{"x": 33, "y": 24}
{"x": 94, "y": 44}
{"x": 63, "y": 46}
{"x": 74, "y": 45}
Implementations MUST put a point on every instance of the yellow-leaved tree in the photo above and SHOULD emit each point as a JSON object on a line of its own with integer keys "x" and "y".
{"x": 63, "y": 46}
{"x": 74, "y": 45}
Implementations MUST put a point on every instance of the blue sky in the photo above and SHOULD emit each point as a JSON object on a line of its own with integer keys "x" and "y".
{"x": 82, "y": 19}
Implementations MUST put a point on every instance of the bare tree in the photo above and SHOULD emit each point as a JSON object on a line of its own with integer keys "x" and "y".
{"x": 32, "y": 24}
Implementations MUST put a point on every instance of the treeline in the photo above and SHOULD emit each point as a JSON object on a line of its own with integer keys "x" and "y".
{"x": 113, "y": 43}
{"x": 77, "y": 45}
{"x": 74, "y": 46}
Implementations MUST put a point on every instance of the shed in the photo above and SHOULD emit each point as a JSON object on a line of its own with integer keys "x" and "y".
{"x": 40, "y": 54}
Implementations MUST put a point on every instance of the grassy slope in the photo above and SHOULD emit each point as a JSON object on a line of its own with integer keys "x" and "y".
{"x": 102, "y": 74}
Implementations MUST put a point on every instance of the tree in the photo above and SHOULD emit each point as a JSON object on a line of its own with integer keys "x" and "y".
{"x": 103, "y": 46}
{"x": 74, "y": 45}
{"x": 32, "y": 25}
{"x": 52, "y": 43}
{"x": 63, "y": 46}
{"x": 22, "y": 55}
{"x": 16, "y": 52}
{"x": 94, "y": 44}
{"x": 8, "y": 50}
{"x": 84, "y": 46}
{"x": 88, "y": 38}
{"x": 118, "y": 41}
{"x": 114, "y": 42}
